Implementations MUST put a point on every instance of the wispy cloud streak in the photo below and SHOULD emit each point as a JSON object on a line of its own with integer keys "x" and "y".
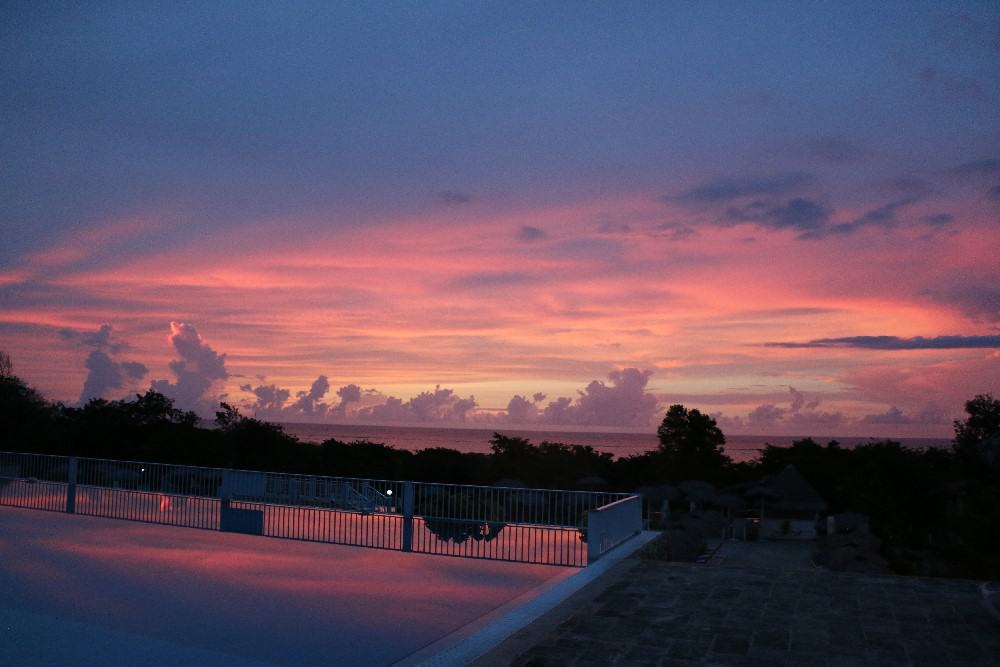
{"x": 897, "y": 343}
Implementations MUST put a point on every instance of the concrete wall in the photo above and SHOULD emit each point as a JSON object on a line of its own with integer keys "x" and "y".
{"x": 611, "y": 525}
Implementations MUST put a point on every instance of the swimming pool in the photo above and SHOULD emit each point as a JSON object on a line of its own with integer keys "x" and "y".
{"x": 111, "y": 592}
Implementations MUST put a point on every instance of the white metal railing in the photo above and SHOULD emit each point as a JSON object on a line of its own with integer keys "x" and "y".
{"x": 503, "y": 523}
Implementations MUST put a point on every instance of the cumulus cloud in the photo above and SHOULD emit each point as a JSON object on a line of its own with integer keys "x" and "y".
{"x": 765, "y": 416}
{"x": 559, "y": 411}
{"x": 800, "y": 401}
{"x": 897, "y": 343}
{"x": 270, "y": 401}
{"x": 729, "y": 189}
{"x": 349, "y": 393}
{"x": 729, "y": 423}
{"x": 892, "y": 416}
{"x": 309, "y": 403}
{"x": 521, "y": 410}
{"x": 103, "y": 372}
{"x": 800, "y": 416}
{"x": 438, "y": 406}
{"x": 625, "y": 402}
{"x": 102, "y": 339}
{"x": 804, "y": 421}
{"x": 197, "y": 372}
{"x": 529, "y": 234}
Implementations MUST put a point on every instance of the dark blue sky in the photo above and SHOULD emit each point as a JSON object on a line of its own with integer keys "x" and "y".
{"x": 222, "y": 112}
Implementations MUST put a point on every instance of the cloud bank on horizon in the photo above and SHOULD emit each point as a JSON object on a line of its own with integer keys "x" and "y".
{"x": 479, "y": 212}
{"x": 624, "y": 402}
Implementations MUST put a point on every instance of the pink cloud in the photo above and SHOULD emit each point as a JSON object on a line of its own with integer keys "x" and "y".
{"x": 453, "y": 297}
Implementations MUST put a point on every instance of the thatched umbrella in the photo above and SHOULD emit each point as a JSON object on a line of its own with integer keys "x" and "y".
{"x": 789, "y": 491}
{"x": 698, "y": 492}
{"x": 659, "y": 495}
{"x": 730, "y": 502}
{"x": 762, "y": 492}
{"x": 795, "y": 493}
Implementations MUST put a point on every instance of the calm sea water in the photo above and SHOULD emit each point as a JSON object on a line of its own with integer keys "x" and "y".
{"x": 739, "y": 447}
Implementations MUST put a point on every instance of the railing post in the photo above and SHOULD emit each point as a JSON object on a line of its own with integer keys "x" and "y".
{"x": 408, "y": 516}
{"x": 71, "y": 486}
{"x": 595, "y": 535}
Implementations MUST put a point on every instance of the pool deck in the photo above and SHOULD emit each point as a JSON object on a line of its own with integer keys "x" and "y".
{"x": 126, "y": 593}
{"x": 758, "y": 604}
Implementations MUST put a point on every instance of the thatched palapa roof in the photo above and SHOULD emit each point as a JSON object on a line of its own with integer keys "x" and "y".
{"x": 790, "y": 491}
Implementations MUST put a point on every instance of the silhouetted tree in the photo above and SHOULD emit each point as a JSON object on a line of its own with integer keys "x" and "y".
{"x": 228, "y": 417}
{"x": 26, "y": 419}
{"x": 512, "y": 446}
{"x": 977, "y": 439}
{"x": 6, "y": 366}
{"x": 691, "y": 444}
{"x": 155, "y": 408}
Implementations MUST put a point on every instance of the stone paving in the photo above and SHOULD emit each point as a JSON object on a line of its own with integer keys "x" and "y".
{"x": 754, "y": 604}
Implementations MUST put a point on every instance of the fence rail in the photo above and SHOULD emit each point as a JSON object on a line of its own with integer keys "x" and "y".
{"x": 499, "y": 523}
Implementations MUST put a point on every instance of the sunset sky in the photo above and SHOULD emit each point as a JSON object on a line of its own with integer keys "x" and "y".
{"x": 558, "y": 214}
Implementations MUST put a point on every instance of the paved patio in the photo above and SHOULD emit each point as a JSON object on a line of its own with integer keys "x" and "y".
{"x": 759, "y": 604}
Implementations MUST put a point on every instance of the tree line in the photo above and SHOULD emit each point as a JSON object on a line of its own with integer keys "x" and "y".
{"x": 936, "y": 510}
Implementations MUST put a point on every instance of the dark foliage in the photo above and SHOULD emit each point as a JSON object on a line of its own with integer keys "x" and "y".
{"x": 935, "y": 510}
{"x": 691, "y": 444}
{"x": 977, "y": 439}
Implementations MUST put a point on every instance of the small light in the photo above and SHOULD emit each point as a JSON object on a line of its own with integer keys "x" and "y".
{"x": 389, "y": 492}
{"x": 143, "y": 470}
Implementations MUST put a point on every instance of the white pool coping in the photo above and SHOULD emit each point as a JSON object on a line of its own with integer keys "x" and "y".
{"x": 484, "y": 634}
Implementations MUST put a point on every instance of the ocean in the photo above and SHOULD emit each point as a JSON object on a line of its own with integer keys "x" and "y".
{"x": 414, "y": 438}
